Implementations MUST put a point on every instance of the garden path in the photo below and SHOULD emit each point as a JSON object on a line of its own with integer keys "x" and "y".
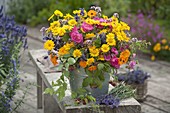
{"x": 157, "y": 101}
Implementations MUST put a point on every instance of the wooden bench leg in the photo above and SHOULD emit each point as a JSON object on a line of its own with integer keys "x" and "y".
{"x": 49, "y": 103}
{"x": 39, "y": 91}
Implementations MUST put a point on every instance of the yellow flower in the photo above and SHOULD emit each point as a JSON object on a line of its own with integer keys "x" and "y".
{"x": 90, "y": 61}
{"x": 67, "y": 27}
{"x": 62, "y": 51}
{"x": 68, "y": 46}
{"x": 124, "y": 26}
{"x": 166, "y": 47}
{"x": 72, "y": 22}
{"x": 157, "y": 47}
{"x": 58, "y": 13}
{"x": 77, "y": 53}
{"x": 61, "y": 31}
{"x": 68, "y": 16}
{"x": 164, "y": 41}
{"x": 103, "y": 31}
{"x": 49, "y": 45}
{"x": 114, "y": 20}
{"x": 101, "y": 57}
{"x": 110, "y": 39}
{"x": 79, "y": 11}
{"x": 91, "y": 13}
{"x": 90, "y": 35}
{"x": 55, "y": 24}
{"x": 105, "y": 48}
{"x": 105, "y": 24}
{"x": 104, "y": 16}
{"x": 50, "y": 17}
{"x": 94, "y": 52}
{"x": 152, "y": 57}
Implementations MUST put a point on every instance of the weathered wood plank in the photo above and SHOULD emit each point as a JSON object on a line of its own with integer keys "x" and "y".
{"x": 39, "y": 91}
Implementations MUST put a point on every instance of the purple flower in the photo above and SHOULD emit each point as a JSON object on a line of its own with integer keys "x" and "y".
{"x": 114, "y": 50}
{"x": 132, "y": 64}
{"x": 115, "y": 62}
{"x": 107, "y": 57}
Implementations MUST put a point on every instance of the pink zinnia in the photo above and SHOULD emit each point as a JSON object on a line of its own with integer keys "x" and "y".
{"x": 86, "y": 27}
{"x": 76, "y": 36}
{"x": 115, "y": 62}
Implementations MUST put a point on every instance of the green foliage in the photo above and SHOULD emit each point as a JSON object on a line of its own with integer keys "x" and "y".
{"x": 25, "y": 10}
{"x": 60, "y": 91}
{"x": 123, "y": 91}
{"x": 35, "y": 12}
{"x": 158, "y": 8}
{"x": 111, "y": 6}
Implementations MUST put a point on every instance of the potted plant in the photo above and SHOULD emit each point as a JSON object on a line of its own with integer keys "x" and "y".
{"x": 138, "y": 80}
{"x": 90, "y": 47}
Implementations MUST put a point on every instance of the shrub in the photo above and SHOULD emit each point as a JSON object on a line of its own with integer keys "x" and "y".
{"x": 11, "y": 41}
{"x": 36, "y": 12}
{"x": 143, "y": 27}
{"x": 159, "y": 8}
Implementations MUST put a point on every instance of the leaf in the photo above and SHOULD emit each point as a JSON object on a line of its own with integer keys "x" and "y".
{"x": 67, "y": 55}
{"x": 87, "y": 81}
{"x": 100, "y": 66}
{"x": 73, "y": 95}
{"x": 49, "y": 91}
{"x": 66, "y": 73}
{"x": 97, "y": 42}
{"x": 71, "y": 61}
{"x": 67, "y": 66}
{"x": 60, "y": 67}
{"x": 101, "y": 76}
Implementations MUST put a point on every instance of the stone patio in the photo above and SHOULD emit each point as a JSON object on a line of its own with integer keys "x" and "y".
{"x": 157, "y": 101}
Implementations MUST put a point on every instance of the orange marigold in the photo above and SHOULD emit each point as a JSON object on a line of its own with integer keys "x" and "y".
{"x": 91, "y": 13}
{"x": 83, "y": 64}
{"x": 92, "y": 68}
{"x": 125, "y": 53}
{"x": 123, "y": 60}
{"x": 53, "y": 59}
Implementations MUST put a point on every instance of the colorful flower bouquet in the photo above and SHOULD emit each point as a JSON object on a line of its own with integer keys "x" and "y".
{"x": 90, "y": 41}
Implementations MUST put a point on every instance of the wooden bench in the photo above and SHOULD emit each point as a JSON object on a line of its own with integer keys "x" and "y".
{"x": 50, "y": 104}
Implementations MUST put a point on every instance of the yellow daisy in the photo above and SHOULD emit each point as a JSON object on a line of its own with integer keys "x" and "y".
{"x": 77, "y": 53}
{"x": 105, "y": 48}
{"x": 49, "y": 45}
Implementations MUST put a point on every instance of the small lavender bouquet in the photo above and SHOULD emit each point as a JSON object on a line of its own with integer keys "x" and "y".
{"x": 137, "y": 79}
{"x": 137, "y": 76}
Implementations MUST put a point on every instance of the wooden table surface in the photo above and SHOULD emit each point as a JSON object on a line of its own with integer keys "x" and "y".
{"x": 126, "y": 105}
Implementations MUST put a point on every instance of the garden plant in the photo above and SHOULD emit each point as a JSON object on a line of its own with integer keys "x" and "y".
{"x": 12, "y": 39}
